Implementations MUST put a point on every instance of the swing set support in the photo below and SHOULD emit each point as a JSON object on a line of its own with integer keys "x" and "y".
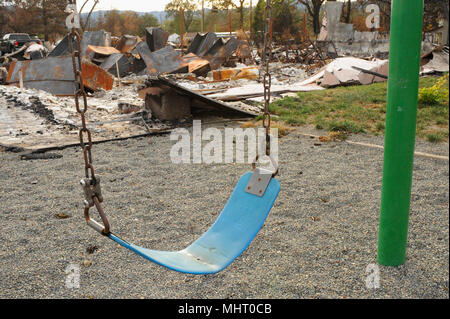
{"x": 401, "y": 112}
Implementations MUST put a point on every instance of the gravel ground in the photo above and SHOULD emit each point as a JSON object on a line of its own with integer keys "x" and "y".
{"x": 317, "y": 242}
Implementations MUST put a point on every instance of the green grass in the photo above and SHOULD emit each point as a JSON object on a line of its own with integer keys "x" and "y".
{"x": 436, "y": 137}
{"x": 359, "y": 109}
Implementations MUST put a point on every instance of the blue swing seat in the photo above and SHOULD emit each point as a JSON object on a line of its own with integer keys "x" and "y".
{"x": 233, "y": 231}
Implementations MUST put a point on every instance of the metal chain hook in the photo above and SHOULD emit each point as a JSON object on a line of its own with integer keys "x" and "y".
{"x": 267, "y": 80}
{"x": 91, "y": 184}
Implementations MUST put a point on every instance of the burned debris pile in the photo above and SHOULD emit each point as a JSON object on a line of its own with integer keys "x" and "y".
{"x": 141, "y": 85}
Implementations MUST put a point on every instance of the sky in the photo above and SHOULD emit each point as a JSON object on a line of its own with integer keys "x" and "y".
{"x": 134, "y": 5}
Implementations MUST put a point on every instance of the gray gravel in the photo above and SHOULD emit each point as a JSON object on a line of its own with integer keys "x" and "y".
{"x": 316, "y": 243}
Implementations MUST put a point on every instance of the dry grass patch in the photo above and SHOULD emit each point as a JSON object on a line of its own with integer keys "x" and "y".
{"x": 283, "y": 129}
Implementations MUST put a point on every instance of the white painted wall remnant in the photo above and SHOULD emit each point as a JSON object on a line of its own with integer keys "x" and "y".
{"x": 346, "y": 39}
{"x": 341, "y": 72}
{"x": 323, "y": 30}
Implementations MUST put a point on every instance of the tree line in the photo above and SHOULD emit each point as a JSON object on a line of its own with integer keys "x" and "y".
{"x": 298, "y": 19}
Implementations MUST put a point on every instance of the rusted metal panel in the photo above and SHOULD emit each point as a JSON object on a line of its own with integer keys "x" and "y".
{"x": 164, "y": 61}
{"x": 55, "y": 75}
{"x": 47, "y": 74}
{"x": 156, "y": 38}
{"x": 96, "y": 78}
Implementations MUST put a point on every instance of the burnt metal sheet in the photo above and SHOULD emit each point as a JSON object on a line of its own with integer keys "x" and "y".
{"x": 197, "y": 65}
{"x": 221, "y": 51}
{"x": 62, "y": 48}
{"x": 243, "y": 50}
{"x": 166, "y": 60}
{"x": 202, "y": 43}
{"x": 98, "y": 54}
{"x": 156, "y": 38}
{"x": 123, "y": 64}
{"x": 96, "y": 38}
{"x": 127, "y": 43}
{"x": 137, "y": 65}
{"x": 55, "y": 75}
{"x": 102, "y": 50}
{"x": 250, "y": 73}
{"x": 200, "y": 103}
{"x": 50, "y": 75}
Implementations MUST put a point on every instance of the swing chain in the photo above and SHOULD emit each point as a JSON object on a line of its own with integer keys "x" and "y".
{"x": 91, "y": 184}
{"x": 267, "y": 81}
{"x": 267, "y": 56}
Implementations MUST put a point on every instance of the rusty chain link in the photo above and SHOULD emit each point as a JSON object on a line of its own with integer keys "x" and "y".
{"x": 267, "y": 81}
{"x": 91, "y": 184}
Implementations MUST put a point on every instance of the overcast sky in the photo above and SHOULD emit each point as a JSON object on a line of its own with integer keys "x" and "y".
{"x": 135, "y": 5}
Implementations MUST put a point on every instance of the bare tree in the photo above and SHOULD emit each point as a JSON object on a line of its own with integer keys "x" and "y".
{"x": 222, "y": 5}
{"x": 349, "y": 11}
{"x": 241, "y": 14}
{"x": 86, "y": 23}
{"x": 433, "y": 10}
{"x": 189, "y": 10}
{"x": 313, "y": 8}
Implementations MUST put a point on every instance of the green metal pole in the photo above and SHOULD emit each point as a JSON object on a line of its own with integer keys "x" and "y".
{"x": 401, "y": 112}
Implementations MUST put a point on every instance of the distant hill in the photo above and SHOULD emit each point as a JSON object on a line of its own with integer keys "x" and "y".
{"x": 160, "y": 15}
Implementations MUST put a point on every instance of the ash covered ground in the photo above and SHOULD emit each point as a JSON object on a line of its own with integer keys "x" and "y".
{"x": 316, "y": 243}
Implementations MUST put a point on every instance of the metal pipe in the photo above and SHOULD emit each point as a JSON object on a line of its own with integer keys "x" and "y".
{"x": 370, "y": 72}
{"x": 401, "y": 112}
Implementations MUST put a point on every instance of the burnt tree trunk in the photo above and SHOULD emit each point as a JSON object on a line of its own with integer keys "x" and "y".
{"x": 241, "y": 16}
{"x": 45, "y": 19}
{"x": 349, "y": 11}
{"x": 316, "y": 20}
